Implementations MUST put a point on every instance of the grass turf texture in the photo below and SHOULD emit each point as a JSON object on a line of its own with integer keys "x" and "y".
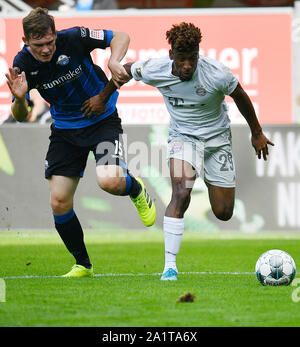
{"x": 218, "y": 270}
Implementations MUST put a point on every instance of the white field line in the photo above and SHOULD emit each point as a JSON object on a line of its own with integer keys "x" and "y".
{"x": 136, "y": 274}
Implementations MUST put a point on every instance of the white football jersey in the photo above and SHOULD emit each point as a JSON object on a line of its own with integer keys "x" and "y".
{"x": 197, "y": 107}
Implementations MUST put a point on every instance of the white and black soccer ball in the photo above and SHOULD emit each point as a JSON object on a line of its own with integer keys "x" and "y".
{"x": 275, "y": 268}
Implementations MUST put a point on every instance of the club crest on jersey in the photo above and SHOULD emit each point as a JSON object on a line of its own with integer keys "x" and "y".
{"x": 201, "y": 91}
{"x": 63, "y": 60}
{"x": 176, "y": 147}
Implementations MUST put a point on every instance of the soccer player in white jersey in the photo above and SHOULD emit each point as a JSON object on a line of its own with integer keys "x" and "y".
{"x": 199, "y": 144}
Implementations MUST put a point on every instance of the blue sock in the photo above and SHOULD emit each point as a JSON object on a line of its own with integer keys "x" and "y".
{"x": 128, "y": 185}
{"x": 63, "y": 218}
{"x": 133, "y": 188}
{"x": 71, "y": 233}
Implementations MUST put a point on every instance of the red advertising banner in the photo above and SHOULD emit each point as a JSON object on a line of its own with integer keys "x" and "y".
{"x": 255, "y": 46}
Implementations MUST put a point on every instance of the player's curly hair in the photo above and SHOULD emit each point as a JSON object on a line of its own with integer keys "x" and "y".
{"x": 37, "y": 23}
{"x": 184, "y": 37}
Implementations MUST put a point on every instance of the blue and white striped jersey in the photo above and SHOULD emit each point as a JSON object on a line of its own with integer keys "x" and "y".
{"x": 70, "y": 77}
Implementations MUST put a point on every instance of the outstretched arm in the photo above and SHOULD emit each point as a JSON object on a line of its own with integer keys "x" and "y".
{"x": 18, "y": 87}
{"x": 259, "y": 141}
{"x": 96, "y": 105}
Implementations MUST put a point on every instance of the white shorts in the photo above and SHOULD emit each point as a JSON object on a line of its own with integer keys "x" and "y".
{"x": 212, "y": 159}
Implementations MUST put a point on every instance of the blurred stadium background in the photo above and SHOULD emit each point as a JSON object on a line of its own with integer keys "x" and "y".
{"x": 258, "y": 39}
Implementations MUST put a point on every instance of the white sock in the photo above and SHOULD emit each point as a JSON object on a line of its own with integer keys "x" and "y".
{"x": 173, "y": 231}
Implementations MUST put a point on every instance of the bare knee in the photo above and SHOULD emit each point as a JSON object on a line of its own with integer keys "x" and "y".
{"x": 61, "y": 204}
{"x": 62, "y": 190}
{"x": 180, "y": 201}
{"x": 223, "y": 213}
{"x": 182, "y": 196}
{"x": 113, "y": 185}
{"x": 111, "y": 179}
{"x": 222, "y": 201}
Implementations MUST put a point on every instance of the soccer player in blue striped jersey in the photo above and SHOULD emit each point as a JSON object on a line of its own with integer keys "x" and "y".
{"x": 60, "y": 67}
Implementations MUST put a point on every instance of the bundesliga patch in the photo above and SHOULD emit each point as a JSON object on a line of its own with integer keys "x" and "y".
{"x": 96, "y": 34}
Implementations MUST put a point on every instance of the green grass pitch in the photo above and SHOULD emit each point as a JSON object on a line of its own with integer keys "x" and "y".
{"x": 217, "y": 268}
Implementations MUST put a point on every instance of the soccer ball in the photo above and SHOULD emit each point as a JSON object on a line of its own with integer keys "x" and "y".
{"x": 275, "y": 268}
